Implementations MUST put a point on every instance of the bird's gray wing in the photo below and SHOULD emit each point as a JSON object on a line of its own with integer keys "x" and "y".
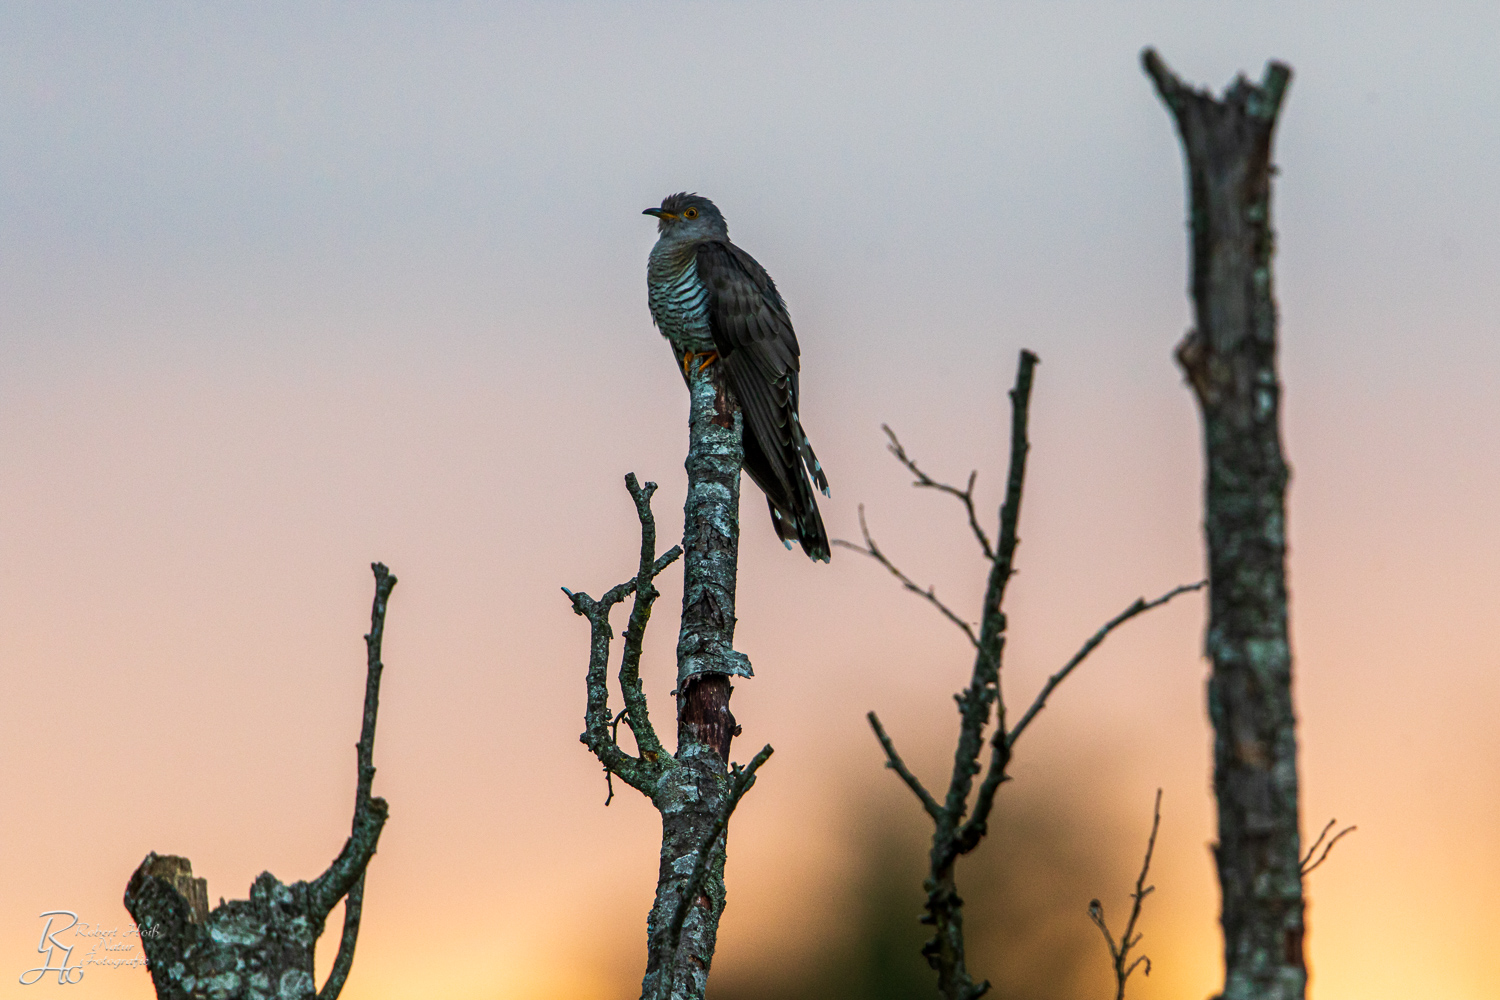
{"x": 749, "y": 321}
{"x": 745, "y": 309}
{"x": 753, "y": 334}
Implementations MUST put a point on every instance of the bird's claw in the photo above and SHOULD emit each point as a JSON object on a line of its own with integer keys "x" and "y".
{"x": 707, "y": 358}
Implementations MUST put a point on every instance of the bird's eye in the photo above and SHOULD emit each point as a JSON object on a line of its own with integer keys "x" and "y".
{"x": 691, "y": 213}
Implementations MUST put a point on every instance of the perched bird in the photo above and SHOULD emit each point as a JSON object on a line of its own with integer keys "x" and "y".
{"x": 713, "y": 302}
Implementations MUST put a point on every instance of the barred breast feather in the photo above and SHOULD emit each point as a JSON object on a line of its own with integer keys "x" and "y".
{"x": 679, "y": 302}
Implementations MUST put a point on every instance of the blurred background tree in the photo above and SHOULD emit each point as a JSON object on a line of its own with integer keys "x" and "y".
{"x": 1026, "y": 894}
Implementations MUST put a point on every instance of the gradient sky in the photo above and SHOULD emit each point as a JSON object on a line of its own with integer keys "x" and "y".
{"x": 289, "y": 287}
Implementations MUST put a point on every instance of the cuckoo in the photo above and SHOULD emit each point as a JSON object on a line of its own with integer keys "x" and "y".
{"x": 714, "y": 303}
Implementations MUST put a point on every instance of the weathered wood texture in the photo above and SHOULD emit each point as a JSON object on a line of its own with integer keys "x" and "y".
{"x": 1230, "y": 360}
{"x": 695, "y": 793}
{"x": 694, "y": 789}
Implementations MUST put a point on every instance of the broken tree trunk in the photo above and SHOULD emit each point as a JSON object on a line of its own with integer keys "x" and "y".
{"x": 1230, "y": 360}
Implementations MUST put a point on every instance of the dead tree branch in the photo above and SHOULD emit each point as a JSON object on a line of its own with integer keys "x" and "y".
{"x": 602, "y": 729}
{"x": 1140, "y": 605}
{"x": 956, "y": 829}
{"x": 873, "y": 551}
{"x": 742, "y": 778}
{"x": 1120, "y": 954}
{"x": 965, "y": 495}
{"x": 694, "y": 788}
{"x": 1307, "y": 864}
{"x": 1229, "y": 358}
{"x": 952, "y": 837}
{"x": 354, "y": 901}
{"x": 264, "y": 945}
{"x": 895, "y": 763}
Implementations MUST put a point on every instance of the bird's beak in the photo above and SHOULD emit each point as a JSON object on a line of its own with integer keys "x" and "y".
{"x": 660, "y": 213}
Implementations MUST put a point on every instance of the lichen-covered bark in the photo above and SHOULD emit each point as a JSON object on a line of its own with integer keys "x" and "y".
{"x": 690, "y": 797}
{"x": 711, "y": 531}
{"x": 255, "y": 949}
{"x": 1230, "y": 360}
{"x": 694, "y": 793}
{"x": 693, "y": 789}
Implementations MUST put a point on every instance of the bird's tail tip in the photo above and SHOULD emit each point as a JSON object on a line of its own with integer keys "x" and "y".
{"x": 812, "y": 537}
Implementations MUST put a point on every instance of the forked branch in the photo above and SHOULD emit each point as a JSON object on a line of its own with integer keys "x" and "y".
{"x": 1120, "y": 953}
{"x": 602, "y": 728}
{"x": 266, "y": 938}
{"x": 692, "y": 787}
{"x": 1307, "y": 862}
{"x": 741, "y": 778}
{"x": 965, "y": 496}
{"x": 958, "y": 829}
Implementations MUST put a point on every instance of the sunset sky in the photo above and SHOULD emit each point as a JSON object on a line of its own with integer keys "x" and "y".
{"x": 286, "y": 288}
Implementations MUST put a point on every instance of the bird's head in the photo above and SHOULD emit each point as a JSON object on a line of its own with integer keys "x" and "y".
{"x": 689, "y": 217}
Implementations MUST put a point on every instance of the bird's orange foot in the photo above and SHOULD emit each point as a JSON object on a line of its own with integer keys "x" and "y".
{"x": 707, "y": 359}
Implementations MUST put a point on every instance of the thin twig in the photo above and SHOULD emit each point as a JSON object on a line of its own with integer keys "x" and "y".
{"x": 742, "y": 778}
{"x": 873, "y": 551}
{"x": 1140, "y": 605}
{"x": 614, "y": 734}
{"x": 1120, "y": 954}
{"x": 895, "y": 763}
{"x": 965, "y": 495}
{"x": 365, "y": 755}
{"x": 1305, "y": 868}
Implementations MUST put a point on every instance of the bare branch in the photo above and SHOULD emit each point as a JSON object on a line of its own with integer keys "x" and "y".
{"x": 984, "y": 685}
{"x": 694, "y": 783}
{"x": 741, "y": 779}
{"x": 1141, "y": 605}
{"x": 636, "y": 712}
{"x": 1120, "y": 953}
{"x": 638, "y": 772}
{"x": 365, "y": 755}
{"x": 1307, "y": 868}
{"x": 873, "y": 551}
{"x": 965, "y": 495}
{"x": 895, "y": 763}
{"x": 958, "y": 828}
{"x": 951, "y": 836}
{"x": 977, "y": 826}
